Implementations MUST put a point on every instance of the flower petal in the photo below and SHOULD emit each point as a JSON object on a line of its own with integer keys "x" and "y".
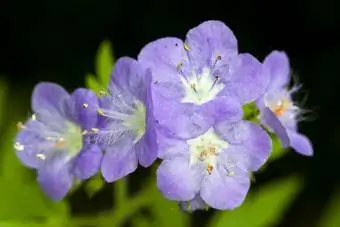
{"x": 196, "y": 203}
{"x": 129, "y": 76}
{"x": 163, "y": 57}
{"x": 87, "y": 164}
{"x": 210, "y": 41}
{"x": 177, "y": 180}
{"x": 276, "y": 64}
{"x": 248, "y": 139}
{"x": 55, "y": 178}
{"x": 184, "y": 120}
{"x": 170, "y": 148}
{"x": 83, "y": 107}
{"x": 247, "y": 82}
{"x": 223, "y": 108}
{"x": 269, "y": 118}
{"x": 225, "y": 192}
{"x": 48, "y": 100}
{"x": 300, "y": 143}
{"x": 119, "y": 160}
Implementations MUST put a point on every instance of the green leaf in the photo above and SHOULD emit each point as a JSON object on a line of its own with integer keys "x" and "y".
{"x": 167, "y": 213}
{"x": 92, "y": 83}
{"x": 331, "y": 217}
{"x": 261, "y": 208}
{"x": 94, "y": 185}
{"x": 104, "y": 62}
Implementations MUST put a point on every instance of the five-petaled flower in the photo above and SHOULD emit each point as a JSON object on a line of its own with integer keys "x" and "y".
{"x": 54, "y": 140}
{"x": 196, "y": 81}
{"x": 126, "y": 130}
{"x": 277, "y": 109}
{"x": 213, "y": 168}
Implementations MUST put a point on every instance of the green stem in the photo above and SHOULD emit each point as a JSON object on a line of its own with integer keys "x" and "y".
{"x": 120, "y": 192}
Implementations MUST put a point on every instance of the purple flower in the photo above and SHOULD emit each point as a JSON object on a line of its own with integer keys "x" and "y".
{"x": 198, "y": 81}
{"x": 214, "y": 167}
{"x": 53, "y": 140}
{"x": 277, "y": 109}
{"x": 127, "y": 128}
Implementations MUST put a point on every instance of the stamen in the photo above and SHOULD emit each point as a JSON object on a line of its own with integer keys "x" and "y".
{"x": 210, "y": 169}
{"x": 179, "y": 68}
{"x": 18, "y": 146}
{"x": 84, "y": 132}
{"x": 214, "y": 83}
{"x": 113, "y": 114}
{"x": 102, "y": 93}
{"x": 186, "y": 47}
{"x": 218, "y": 58}
{"x": 85, "y": 105}
{"x": 41, "y": 156}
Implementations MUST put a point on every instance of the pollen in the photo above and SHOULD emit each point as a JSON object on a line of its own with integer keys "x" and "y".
{"x": 210, "y": 169}
{"x": 95, "y": 130}
{"x": 100, "y": 112}
{"x": 41, "y": 156}
{"x": 281, "y": 108}
{"x": 85, "y": 105}
{"x": 18, "y": 146}
{"x": 186, "y": 47}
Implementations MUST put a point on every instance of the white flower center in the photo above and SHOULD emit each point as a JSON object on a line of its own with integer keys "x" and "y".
{"x": 205, "y": 149}
{"x": 281, "y": 105}
{"x": 200, "y": 89}
{"x": 129, "y": 118}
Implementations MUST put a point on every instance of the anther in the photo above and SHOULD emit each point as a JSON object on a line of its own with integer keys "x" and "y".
{"x": 18, "y": 146}
{"x": 102, "y": 93}
{"x": 100, "y": 112}
{"x": 41, "y": 156}
{"x": 179, "y": 68}
{"x": 210, "y": 169}
{"x": 215, "y": 81}
{"x": 84, "y": 132}
{"x": 193, "y": 87}
{"x": 186, "y": 47}
{"x": 95, "y": 130}
{"x": 218, "y": 58}
{"x": 60, "y": 143}
{"x": 85, "y": 105}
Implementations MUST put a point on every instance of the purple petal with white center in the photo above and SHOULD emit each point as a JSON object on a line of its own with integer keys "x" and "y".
{"x": 196, "y": 203}
{"x": 55, "y": 178}
{"x": 163, "y": 57}
{"x": 224, "y": 192}
{"x": 247, "y": 82}
{"x": 269, "y": 118}
{"x": 119, "y": 160}
{"x": 184, "y": 120}
{"x": 87, "y": 164}
{"x": 129, "y": 76}
{"x": 83, "y": 107}
{"x": 248, "y": 139}
{"x": 210, "y": 40}
{"x": 177, "y": 180}
{"x": 276, "y": 64}
{"x": 223, "y": 108}
{"x": 300, "y": 143}
{"x": 48, "y": 100}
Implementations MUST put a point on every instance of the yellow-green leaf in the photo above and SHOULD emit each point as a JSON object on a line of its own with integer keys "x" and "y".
{"x": 104, "y": 62}
{"x": 261, "y": 208}
{"x": 331, "y": 216}
{"x": 92, "y": 83}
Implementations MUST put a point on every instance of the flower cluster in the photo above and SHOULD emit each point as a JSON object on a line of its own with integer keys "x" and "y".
{"x": 179, "y": 101}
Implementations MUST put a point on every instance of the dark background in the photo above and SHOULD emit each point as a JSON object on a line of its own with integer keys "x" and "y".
{"x": 56, "y": 40}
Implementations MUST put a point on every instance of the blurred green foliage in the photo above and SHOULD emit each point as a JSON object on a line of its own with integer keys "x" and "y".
{"x": 24, "y": 205}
